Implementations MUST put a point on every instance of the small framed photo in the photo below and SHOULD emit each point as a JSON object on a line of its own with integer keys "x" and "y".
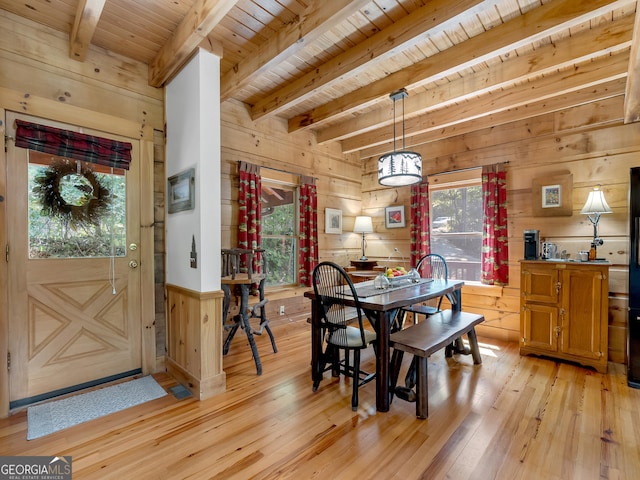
{"x": 181, "y": 191}
{"x": 551, "y": 196}
{"x": 332, "y": 220}
{"x": 394, "y": 217}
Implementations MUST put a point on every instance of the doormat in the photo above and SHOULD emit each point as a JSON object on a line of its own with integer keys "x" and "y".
{"x": 50, "y": 417}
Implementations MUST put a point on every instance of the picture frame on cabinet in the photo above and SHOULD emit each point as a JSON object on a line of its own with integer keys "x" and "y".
{"x": 332, "y": 220}
{"x": 394, "y": 217}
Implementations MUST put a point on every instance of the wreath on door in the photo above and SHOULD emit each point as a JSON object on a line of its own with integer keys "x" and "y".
{"x": 72, "y": 194}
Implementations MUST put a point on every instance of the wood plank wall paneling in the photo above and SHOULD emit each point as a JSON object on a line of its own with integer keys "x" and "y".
{"x": 589, "y": 141}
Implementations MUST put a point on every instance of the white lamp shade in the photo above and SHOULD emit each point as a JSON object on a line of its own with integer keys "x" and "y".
{"x": 363, "y": 225}
{"x": 596, "y": 203}
{"x": 400, "y": 168}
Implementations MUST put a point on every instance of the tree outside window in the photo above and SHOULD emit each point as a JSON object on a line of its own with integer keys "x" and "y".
{"x": 280, "y": 232}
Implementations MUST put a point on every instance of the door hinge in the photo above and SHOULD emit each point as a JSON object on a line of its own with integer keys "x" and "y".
{"x": 6, "y": 253}
{"x": 8, "y": 360}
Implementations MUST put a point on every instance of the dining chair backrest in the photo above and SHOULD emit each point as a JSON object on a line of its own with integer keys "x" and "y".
{"x": 433, "y": 266}
{"x": 332, "y": 286}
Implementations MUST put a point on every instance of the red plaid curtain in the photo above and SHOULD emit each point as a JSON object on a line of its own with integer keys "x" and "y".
{"x": 495, "y": 242}
{"x": 420, "y": 240}
{"x": 68, "y": 144}
{"x": 308, "y": 251}
{"x": 249, "y": 209}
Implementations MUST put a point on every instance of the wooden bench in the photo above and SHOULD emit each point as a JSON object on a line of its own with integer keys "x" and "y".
{"x": 427, "y": 337}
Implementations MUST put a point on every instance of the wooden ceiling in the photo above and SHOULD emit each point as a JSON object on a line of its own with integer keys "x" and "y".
{"x": 330, "y": 65}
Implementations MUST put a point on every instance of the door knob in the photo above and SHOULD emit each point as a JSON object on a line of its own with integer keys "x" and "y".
{"x": 133, "y": 264}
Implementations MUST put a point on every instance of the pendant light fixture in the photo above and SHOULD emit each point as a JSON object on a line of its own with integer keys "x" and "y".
{"x": 399, "y": 168}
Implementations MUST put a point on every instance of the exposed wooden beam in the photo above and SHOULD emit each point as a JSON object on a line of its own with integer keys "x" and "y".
{"x": 201, "y": 18}
{"x": 604, "y": 39}
{"x": 578, "y": 97}
{"x": 632, "y": 95}
{"x": 589, "y": 74}
{"x": 308, "y": 27}
{"x": 431, "y": 18}
{"x": 537, "y": 24}
{"x": 84, "y": 26}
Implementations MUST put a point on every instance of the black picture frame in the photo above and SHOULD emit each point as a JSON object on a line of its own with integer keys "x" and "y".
{"x": 181, "y": 191}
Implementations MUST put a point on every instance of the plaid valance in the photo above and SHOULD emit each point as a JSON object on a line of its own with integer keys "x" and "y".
{"x": 78, "y": 146}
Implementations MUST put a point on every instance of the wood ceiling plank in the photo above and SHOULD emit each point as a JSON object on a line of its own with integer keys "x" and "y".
{"x": 399, "y": 36}
{"x": 596, "y": 42}
{"x": 584, "y": 96}
{"x": 316, "y": 20}
{"x": 202, "y": 17}
{"x": 522, "y": 30}
{"x": 587, "y": 75}
{"x": 632, "y": 93}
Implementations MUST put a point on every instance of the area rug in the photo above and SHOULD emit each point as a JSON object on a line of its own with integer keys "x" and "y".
{"x": 50, "y": 417}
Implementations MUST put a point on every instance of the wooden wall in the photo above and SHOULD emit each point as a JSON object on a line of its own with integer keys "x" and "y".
{"x": 268, "y": 144}
{"x": 590, "y": 142}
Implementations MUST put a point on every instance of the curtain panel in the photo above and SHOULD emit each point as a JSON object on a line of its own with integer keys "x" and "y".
{"x": 308, "y": 251}
{"x": 495, "y": 245}
{"x": 79, "y": 146}
{"x": 249, "y": 209}
{"x": 419, "y": 209}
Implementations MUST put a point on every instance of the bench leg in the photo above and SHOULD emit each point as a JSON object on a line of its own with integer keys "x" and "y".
{"x": 422, "y": 404}
{"x": 473, "y": 346}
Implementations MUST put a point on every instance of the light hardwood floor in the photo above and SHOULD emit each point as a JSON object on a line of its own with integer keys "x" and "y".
{"x": 510, "y": 418}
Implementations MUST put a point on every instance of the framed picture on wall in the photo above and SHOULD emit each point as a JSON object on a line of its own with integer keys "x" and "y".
{"x": 332, "y": 220}
{"x": 394, "y": 217}
{"x": 551, "y": 195}
{"x": 181, "y": 191}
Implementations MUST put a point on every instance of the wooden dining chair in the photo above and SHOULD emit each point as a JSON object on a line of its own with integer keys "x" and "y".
{"x": 433, "y": 266}
{"x": 342, "y": 325}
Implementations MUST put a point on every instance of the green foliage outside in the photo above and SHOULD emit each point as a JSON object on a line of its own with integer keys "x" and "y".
{"x": 279, "y": 241}
{"x": 54, "y": 237}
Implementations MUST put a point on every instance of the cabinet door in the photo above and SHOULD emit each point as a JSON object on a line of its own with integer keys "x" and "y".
{"x": 540, "y": 283}
{"x": 540, "y": 327}
{"x": 581, "y": 313}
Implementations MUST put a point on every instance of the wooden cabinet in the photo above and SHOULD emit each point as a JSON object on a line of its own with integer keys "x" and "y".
{"x": 564, "y": 311}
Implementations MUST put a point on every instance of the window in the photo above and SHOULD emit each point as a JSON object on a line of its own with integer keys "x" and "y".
{"x": 67, "y": 217}
{"x": 456, "y": 222}
{"x": 280, "y": 232}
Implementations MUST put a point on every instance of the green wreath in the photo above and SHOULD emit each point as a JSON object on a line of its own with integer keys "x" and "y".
{"x": 77, "y": 198}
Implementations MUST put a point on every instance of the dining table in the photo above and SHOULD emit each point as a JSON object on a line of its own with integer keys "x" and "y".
{"x": 381, "y": 306}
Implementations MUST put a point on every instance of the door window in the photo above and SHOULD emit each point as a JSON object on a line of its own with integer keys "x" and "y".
{"x": 76, "y": 209}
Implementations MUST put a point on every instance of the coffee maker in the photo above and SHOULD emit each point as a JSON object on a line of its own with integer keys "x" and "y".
{"x": 531, "y": 244}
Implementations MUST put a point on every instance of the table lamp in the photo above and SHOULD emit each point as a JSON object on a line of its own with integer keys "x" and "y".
{"x": 593, "y": 208}
{"x": 363, "y": 225}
